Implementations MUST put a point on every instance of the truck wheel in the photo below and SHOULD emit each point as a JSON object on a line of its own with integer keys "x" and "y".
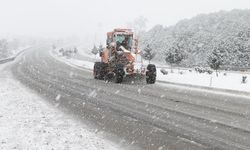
{"x": 99, "y": 70}
{"x": 108, "y": 77}
{"x": 118, "y": 78}
{"x": 151, "y": 74}
{"x": 119, "y": 73}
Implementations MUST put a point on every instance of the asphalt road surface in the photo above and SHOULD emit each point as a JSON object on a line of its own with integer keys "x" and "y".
{"x": 137, "y": 115}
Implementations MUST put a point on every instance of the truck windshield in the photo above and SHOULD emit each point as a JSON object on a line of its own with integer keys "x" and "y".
{"x": 124, "y": 40}
{"x": 120, "y": 38}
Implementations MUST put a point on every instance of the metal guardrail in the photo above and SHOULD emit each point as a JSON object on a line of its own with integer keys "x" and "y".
{"x": 2, "y": 61}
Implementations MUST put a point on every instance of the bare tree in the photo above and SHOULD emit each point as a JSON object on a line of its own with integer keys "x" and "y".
{"x": 139, "y": 25}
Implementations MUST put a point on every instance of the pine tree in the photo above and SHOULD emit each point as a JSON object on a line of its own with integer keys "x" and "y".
{"x": 148, "y": 54}
{"x": 94, "y": 50}
{"x": 100, "y": 48}
{"x": 174, "y": 56}
{"x": 75, "y": 50}
{"x": 215, "y": 60}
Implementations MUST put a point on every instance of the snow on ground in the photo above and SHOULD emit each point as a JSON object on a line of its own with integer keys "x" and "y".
{"x": 229, "y": 80}
{"x": 87, "y": 54}
{"x": 28, "y": 122}
{"x": 14, "y": 52}
{"x": 80, "y": 64}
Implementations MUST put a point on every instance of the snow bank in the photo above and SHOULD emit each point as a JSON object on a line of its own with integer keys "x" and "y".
{"x": 79, "y": 63}
{"x": 225, "y": 80}
{"x": 86, "y": 53}
{"x": 28, "y": 122}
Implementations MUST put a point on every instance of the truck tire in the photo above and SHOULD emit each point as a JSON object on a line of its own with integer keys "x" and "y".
{"x": 119, "y": 73}
{"x": 109, "y": 77}
{"x": 99, "y": 70}
{"x": 151, "y": 74}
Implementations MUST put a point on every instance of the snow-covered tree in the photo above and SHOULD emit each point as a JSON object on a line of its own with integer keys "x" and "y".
{"x": 75, "y": 50}
{"x": 148, "y": 54}
{"x": 174, "y": 55}
{"x": 53, "y": 46}
{"x": 215, "y": 60}
{"x": 94, "y": 50}
{"x": 198, "y": 36}
{"x": 100, "y": 48}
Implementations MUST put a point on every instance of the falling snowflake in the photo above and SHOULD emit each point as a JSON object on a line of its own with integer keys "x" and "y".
{"x": 71, "y": 74}
{"x": 58, "y": 97}
{"x": 93, "y": 94}
{"x": 117, "y": 91}
{"x": 57, "y": 104}
{"x": 139, "y": 91}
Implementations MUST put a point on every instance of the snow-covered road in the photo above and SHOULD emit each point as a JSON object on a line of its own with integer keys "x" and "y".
{"x": 29, "y": 122}
{"x": 137, "y": 115}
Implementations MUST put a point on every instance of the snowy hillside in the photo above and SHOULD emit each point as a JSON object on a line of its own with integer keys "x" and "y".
{"x": 225, "y": 32}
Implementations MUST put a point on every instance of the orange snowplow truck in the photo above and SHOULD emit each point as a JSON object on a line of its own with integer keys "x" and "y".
{"x": 119, "y": 58}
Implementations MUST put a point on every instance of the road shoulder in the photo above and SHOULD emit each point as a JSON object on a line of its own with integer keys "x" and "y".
{"x": 28, "y": 122}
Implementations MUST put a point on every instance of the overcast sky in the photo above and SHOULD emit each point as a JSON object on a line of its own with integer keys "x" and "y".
{"x": 88, "y": 17}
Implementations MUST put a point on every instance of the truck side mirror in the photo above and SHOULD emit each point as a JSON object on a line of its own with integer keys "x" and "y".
{"x": 101, "y": 53}
{"x": 135, "y": 43}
